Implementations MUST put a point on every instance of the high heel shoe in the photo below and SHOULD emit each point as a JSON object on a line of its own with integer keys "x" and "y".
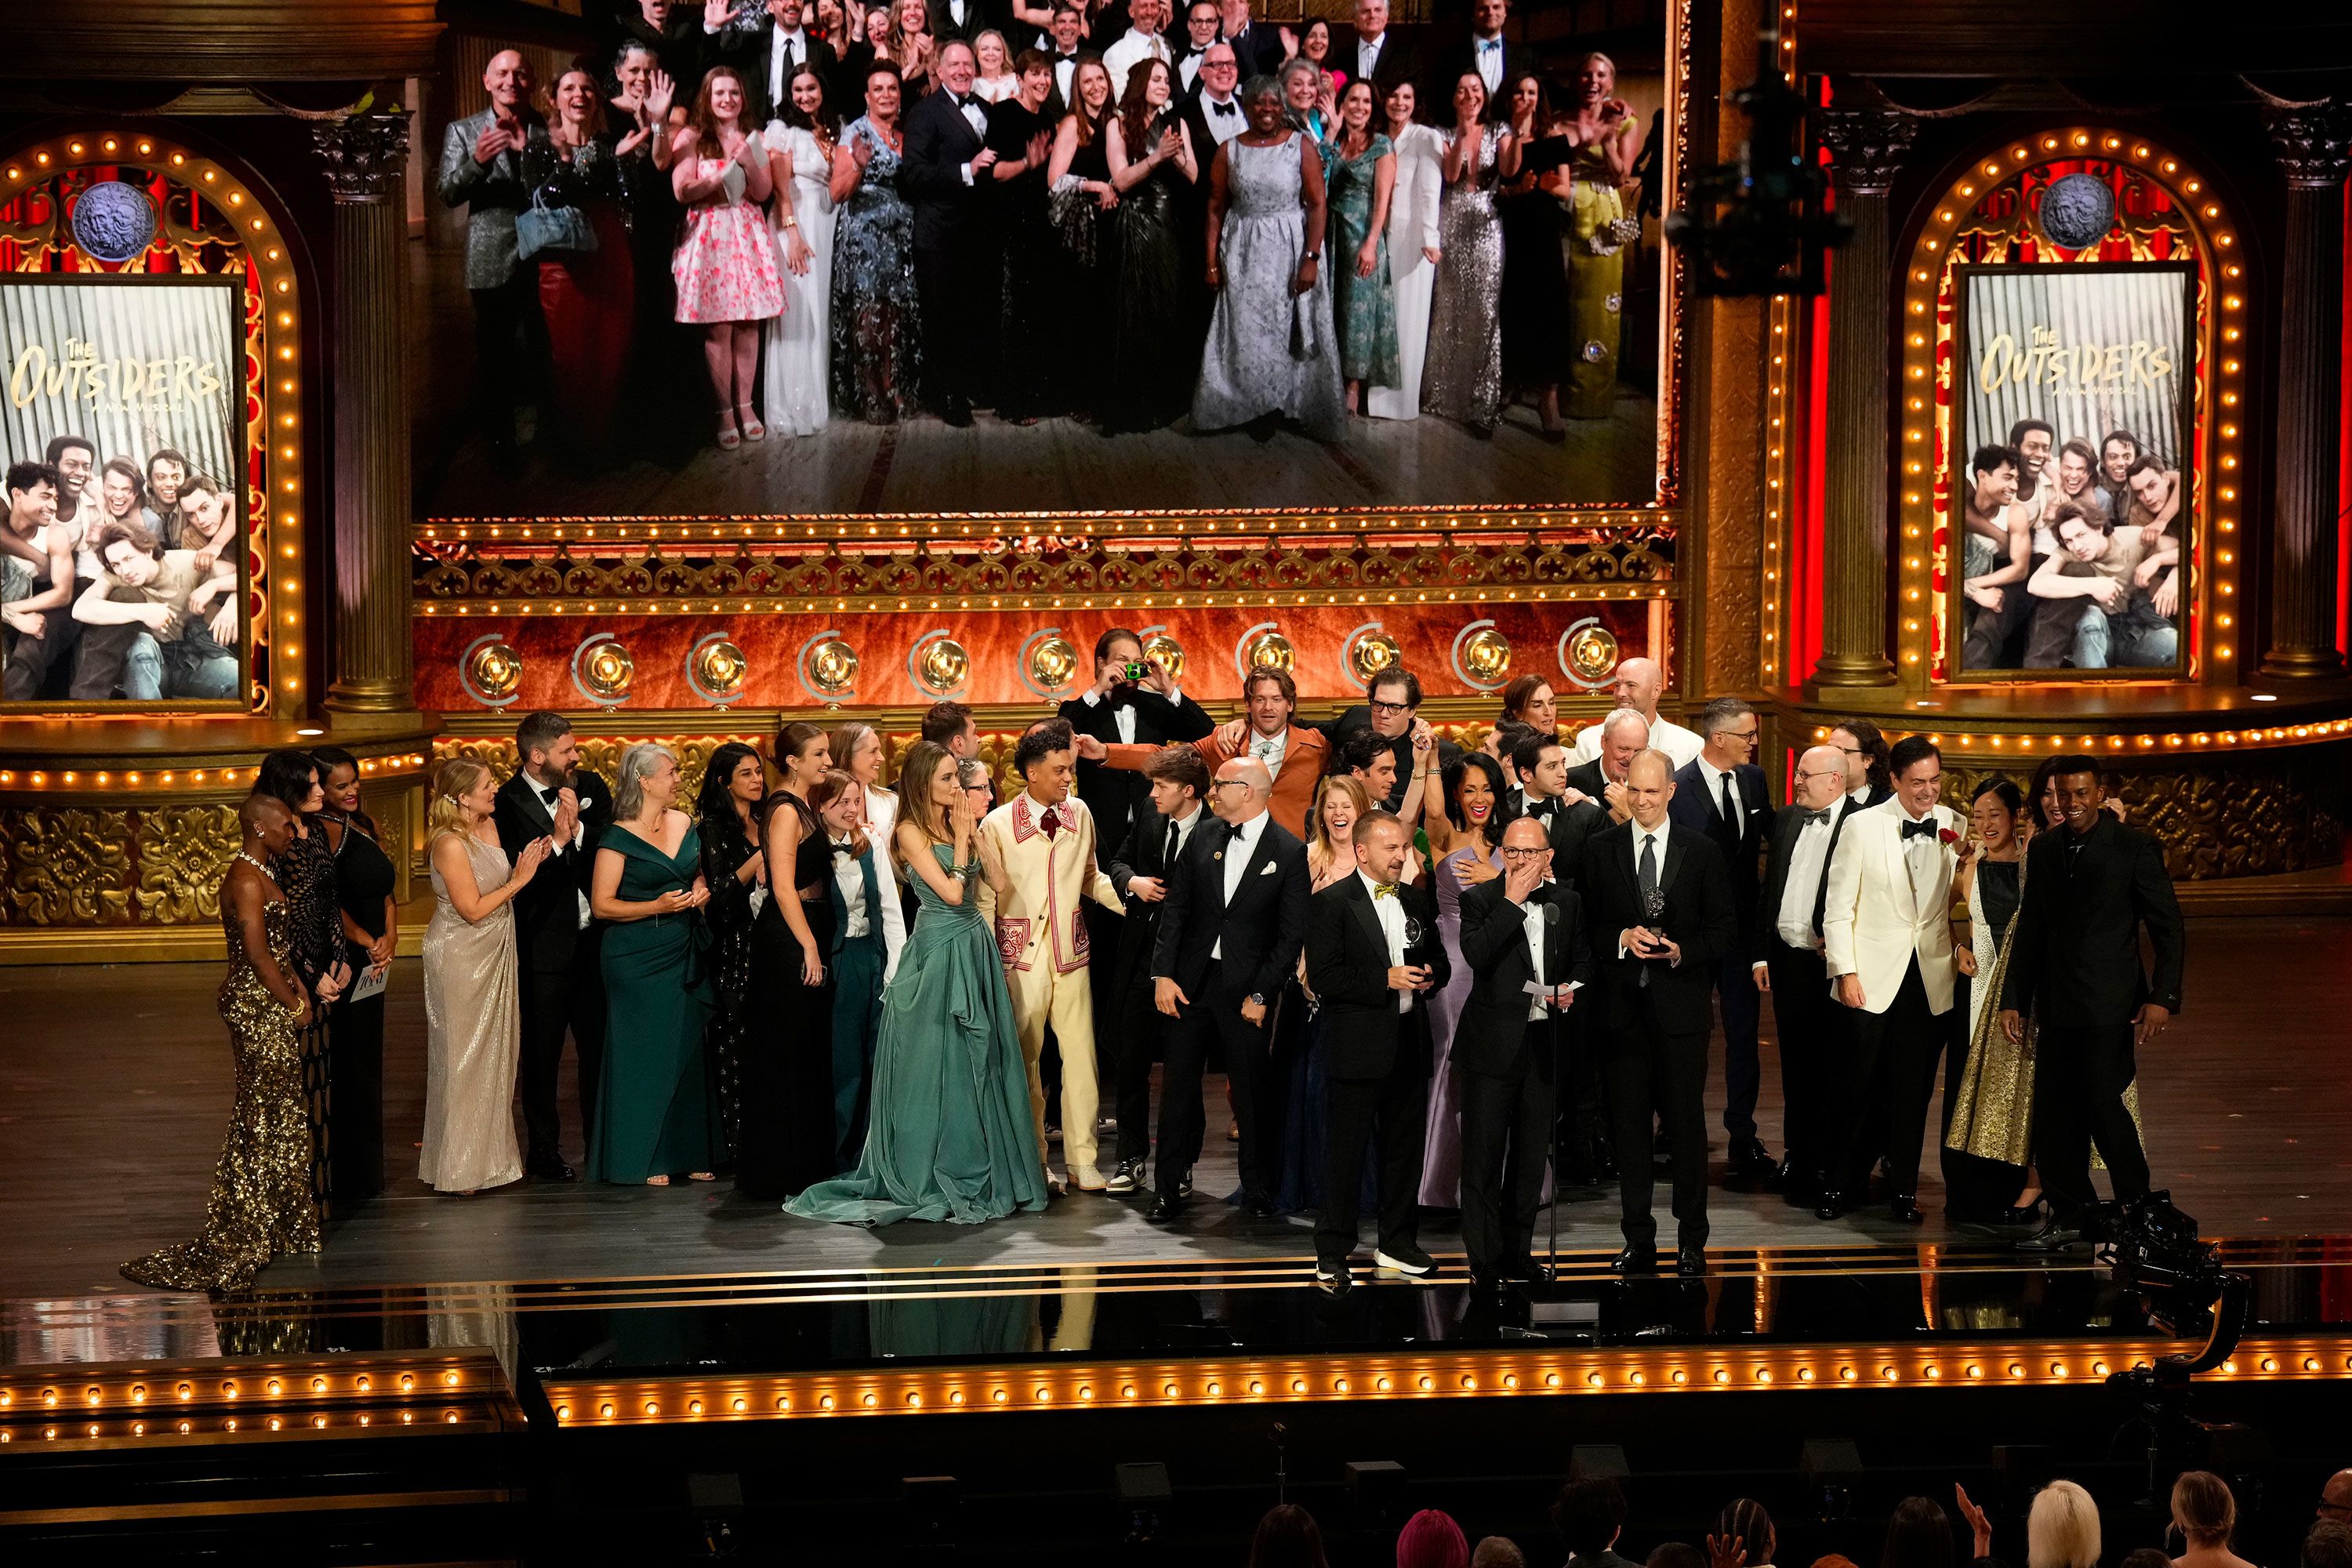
{"x": 752, "y": 429}
{"x": 2025, "y": 1213}
{"x": 729, "y": 436}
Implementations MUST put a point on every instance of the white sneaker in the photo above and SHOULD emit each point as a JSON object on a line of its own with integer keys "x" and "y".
{"x": 1413, "y": 1267}
{"x": 1087, "y": 1179}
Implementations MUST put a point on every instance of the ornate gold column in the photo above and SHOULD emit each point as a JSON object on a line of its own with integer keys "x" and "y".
{"x": 1866, "y": 145}
{"x": 364, "y": 154}
{"x": 2312, "y": 143}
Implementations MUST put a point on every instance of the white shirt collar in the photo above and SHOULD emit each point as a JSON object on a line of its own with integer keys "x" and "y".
{"x": 1659, "y": 833}
{"x": 1039, "y": 807}
{"x": 1249, "y": 828}
{"x": 1859, "y": 797}
{"x": 1190, "y": 821}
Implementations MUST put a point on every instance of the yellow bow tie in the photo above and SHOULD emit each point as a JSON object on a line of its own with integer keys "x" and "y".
{"x": 1384, "y": 889}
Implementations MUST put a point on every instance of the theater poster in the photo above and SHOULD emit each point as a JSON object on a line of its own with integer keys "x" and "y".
{"x": 122, "y": 407}
{"x": 2073, "y": 392}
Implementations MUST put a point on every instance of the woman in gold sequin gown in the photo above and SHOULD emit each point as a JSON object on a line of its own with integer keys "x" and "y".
{"x": 261, "y": 1204}
{"x": 1463, "y": 376}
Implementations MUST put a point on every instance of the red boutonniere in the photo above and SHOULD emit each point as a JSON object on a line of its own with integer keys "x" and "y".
{"x": 1945, "y": 835}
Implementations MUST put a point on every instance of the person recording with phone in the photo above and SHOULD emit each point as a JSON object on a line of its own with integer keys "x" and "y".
{"x": 1373, "y": 957}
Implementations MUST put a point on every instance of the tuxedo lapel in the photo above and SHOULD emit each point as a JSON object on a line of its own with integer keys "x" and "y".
{"x": 1360, "y": 900}
{"x": 526, "y": 796}
{"x": 1898, "y": 871}
{"x": 1677, "y": 847}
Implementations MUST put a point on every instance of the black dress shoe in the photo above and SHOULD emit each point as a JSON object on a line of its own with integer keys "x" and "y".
{"x": 1831, "y": 1206}
{"x": 957, "y": 412}
{"x": 1750, "y": 1160}
{"x": 1528, "y": 1271}
{"x": 550, "y": 1170}
{"x": 1690, "y": 1262}
{"x": 1185, "y": 1184}
{"x": 1906, "y": 1210}
{"x": 1635, "y": 1260}
{"x": 1165, "y": 1207}
{"x": 2054, "y": 1236}
{"x": 1334, "y": 1279}
{"x": 1258, "y": 1205}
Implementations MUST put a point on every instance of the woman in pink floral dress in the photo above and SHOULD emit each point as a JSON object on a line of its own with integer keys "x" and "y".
{"x": 725, "y": 266}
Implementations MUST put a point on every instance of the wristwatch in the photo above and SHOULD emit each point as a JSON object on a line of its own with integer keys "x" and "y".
{"x": 1313, "y": 256}
{"x": 1258, "y": 998}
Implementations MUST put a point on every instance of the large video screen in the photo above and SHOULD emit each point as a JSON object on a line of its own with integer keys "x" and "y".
{"x": 2071, "y": 481}
{"x": 123, "y": 552}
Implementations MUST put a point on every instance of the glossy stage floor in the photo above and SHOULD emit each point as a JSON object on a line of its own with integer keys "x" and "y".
{"x": 657, "y": 1336}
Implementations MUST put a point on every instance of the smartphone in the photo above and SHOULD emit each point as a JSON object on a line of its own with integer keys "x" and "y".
{"x": 1136, "y": 669}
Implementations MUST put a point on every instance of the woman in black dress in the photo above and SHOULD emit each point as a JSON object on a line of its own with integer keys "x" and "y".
{"x": 784, "y": 1085}
{"x": 364, "y": 881}
{"x": 306, "y": 877}
{"x": 1081, "y": 211}
{"x": 1152, "y": 166}
{"x": 734, "y": 786}
{"x": 1535, "y": 269}
{"x": 1022, "y": 138}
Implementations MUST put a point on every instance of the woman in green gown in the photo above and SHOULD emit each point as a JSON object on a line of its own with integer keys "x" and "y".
{"x": 951, "y": 1135}
{"x": 658, "y": 1107}
{"x": 1362, "y": 179}
{"x": 1608, "y": 139}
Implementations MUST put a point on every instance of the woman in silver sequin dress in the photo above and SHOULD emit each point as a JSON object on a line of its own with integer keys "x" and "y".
{"x": 1463, "y": 376}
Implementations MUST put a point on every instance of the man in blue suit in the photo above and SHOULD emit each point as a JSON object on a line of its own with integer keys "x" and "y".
{"x": 1722, "y": 795}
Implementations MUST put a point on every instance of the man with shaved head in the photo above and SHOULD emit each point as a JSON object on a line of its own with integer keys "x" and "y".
{"x": 1230, "y": 933}
{"x": 1638, "y": 686}
{"x": 483, "y": 157}
{"x": 1623, "y": 733}
{"x": 1786, "y": 959}
{"x": 1660, "y": 904}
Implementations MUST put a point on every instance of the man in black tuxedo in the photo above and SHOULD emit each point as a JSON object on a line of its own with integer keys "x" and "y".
{"x": 1199, "y": 25}
{"x": 1368, "y": 50}
{"x": 1118, "y": 710}
{"x": 1541, "y": 762}
{"x": 1785, "y": 962}
{"x": 967, "y": 20}
{"x": 1483, "y": 51}
{"x": 959, "y": 278}
{"x": 766, "y": 43}
{"x": 1661, "y": 903}
{"x": 1065, "y": 41}
{"x": 1520, "y": 929}
{"x": 1373, "y": 954}
{"x": 1625, "y": 735}
{"x": 1257, "y": 45}
{"x": 1722, "y": 794}
{"x": 559, "y": 949}
{"x": 1391, "y": 710}
{"x": 1230, "y": 936}
{"x": 2091, "y": 884}
{"x": 1140, "y": 870}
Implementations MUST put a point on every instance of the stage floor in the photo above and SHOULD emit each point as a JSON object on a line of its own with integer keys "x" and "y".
{"x": 118, "y": 1088}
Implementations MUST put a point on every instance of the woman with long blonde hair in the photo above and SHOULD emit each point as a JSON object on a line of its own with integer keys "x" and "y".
{"x": 949, "y": 1135}
{"x": 473, "y": 1010}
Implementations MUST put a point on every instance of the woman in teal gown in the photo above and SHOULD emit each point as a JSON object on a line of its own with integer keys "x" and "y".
{"x": 658, "y": 1106}
{"x": 951, "y": 1135}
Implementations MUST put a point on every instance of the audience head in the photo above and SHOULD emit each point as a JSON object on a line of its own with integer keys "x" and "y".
{"x": 2327, "y": 1544}
{"x": 2078, "y": 791}
{"x": 1046, "y": 759}
{"x": 1474, "y": 788}
{"x": 1528, "y": 700}
{"x": 972, "y": 777}
{"x": 549, "y": 752}
{"x": 990, "y": 53}
{"x": 1745, "y": 1521}
{"x": 1993, "y": 813}
{"x": 1496, "y": 1550}
{"x": 2203, "y": 1510}
{"x": 1395, "y": 697}
{"x": 1675, "y": 1555}
{"x": 718, "y": 107}
{"x": 1371, "y": 21}
{"x": 267, "y": 825}
{"x": 1401, "y": 104}
{"x": 2335, "y": 1498}
{"x": 1637, "y": 684}
{"x": 1382, "y": 843}
{"x": 1589, "y": 1515}
{"x": 1220, "y": 70}
{"x": 463, "y": 792}
{"x": 1090, "y": 94}
{"x": 1201, "y": 22}
{"x": 645, "y": 781}
{"x": 951, "y": 724}
{"x": 339, "y": 778}
{"x": 957, "y": 66}
{"x": 575, "y": 103}
{"x": 2146, "y": 1557}
{"x": 809, "y": 101}
{"x": 1287, "y": 1538}
{"x": 1821, "y": 777}
{"x": 1649, "y": 784}
{"x": 1431, "y": 1540}
{"x": 1833, "y": 1559}
{"x": 1368, "y": 755}
{"x": 857, "y": 751}
{"x": 1499, "y": 742}
{"x": 1919, "y": 769}
{"x": 1596, "y": 77}
{"x": 2061, "y": 1529}
{"x": 1241, "y": 789}
{"x": 734, "y": 781}
{"x": 1341, "y": 802}
{"x": 802, "y": 752}
{"x": 1624, "y": 734}
{"x": 1541, "y": 762}
{"x": 1487, "y": 15}
{"x": 1864, "y": 750}
{"x": 883, "y": 90}
{"x": 1302, "y": 85}
{"x": 1262, "y": 103}
{"x": 1918, "y": 1535}
{"x": 1180, "y": 780}
{"x": 1272, "y": 696}
{"x": 1729, "y": 729}
{"x": 293, "y": 777}
{"x": 1069, "y": 22}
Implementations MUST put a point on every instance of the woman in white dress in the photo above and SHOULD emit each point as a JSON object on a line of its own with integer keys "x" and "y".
{"x": 473, "y": 1018}
{"x": 994, "y": 81}
{"x": 799, "y": 354}
{"x": 1413, "y": 250}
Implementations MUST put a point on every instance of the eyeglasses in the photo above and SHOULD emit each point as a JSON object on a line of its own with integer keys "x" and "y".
{"x": 1750, "y": 736}
{"x": 1514, "y": 853}
{"x": 1380, "y": 707}
{"x": 1227, "y": 784}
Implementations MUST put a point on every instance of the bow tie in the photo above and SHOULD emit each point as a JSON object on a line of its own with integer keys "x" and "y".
{"x": 1051, "y": 823}
{"x": 1821, "y": 815}
{"x": 1228, "y": 107}
{"x": 1922, "y": 829}
{"x": 1384, "y": 889}
{"x": 844, "y": 848}
{"x": 1544, "y": 807}
{"x": 959, "y": 100}
{"x": 1194, "y": 53}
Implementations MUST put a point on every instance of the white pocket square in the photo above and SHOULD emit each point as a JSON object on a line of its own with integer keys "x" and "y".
{"x": 1268, "y": 869}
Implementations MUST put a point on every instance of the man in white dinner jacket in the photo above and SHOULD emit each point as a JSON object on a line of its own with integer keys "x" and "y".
{"x": 1886, "y": 936}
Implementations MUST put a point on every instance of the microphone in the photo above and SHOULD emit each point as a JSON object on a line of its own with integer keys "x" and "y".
{"x": 1552, "y": 913}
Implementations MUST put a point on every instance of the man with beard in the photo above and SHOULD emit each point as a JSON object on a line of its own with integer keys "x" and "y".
{"x": 559, "y": 947}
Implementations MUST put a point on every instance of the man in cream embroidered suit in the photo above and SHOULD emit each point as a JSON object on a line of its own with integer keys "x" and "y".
{"x": 1886, "y": 936}
{"x": 1045, "y": 838}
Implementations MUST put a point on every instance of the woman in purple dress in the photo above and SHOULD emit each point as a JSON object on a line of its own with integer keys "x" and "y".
{"x": 1469, "y": 855}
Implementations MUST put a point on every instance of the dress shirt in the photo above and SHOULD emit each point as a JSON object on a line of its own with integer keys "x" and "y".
{"x": 797, "y": 41}
{"x": 1640, "y": 832}
{"x": 1861, "y": 798}
{"x": 849, "y": 874}
{"x": 1809, "y": 862}
{"x": 1531, "y": 915}
{"x": 1390, "y": 913}
{"x": 1489, "y": 55}
{"x": 1368, "y": 55}
{"x": 1065, "y": 67}
{"x": 1183, "y": 826}
{"x": 1268, "y": 749}
{"x": 1918, "y": 849}
{"x": 1665, "y": 735}
{"x": 547, "y": 794}
{"x": 1238, "y": 848}
{"x": 1530, "y": 802}
{"x": 1123, "y": 714}
{"x": 957, "y": 10}
{"x": 1716, "y": 778}
{"x": 1188, "y": 70}
{"x": 1131, "y": 51}
{"x": 1225, "y": 116}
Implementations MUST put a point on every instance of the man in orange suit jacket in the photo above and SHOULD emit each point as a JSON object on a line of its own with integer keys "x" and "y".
{"x": 1297, "y": 758}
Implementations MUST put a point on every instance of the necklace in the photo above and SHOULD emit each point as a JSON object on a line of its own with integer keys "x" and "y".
{"x": 259, "y": 866}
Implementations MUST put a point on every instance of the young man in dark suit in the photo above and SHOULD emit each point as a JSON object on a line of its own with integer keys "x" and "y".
{"x": 1373, "y": 954}
{"x": 1483, "y": 51}
{"x": 558, "y": 947}
{"x": 1785, "y": 961}
{"x": 1519, "y": 930}
{"x": 1541, "y": 762}
{"x": 1722, "y": 794}
{"x": 957, "y": 271}
{"x": 1235, "y": 921}
{"x": 1661, "y": 903}
{"x": 2091, "y": 886}
{"x": 1144, "y": 711}
{"x": 767, "y": 44}
{"x": 1139, "y": 871}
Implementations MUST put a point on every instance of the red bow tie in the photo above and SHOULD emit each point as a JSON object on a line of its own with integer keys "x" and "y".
{"x": 1051, "y": 823}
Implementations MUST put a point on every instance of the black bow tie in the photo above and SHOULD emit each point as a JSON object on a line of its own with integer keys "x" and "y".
{"x": 1814, "y": 817}
{"x": 1195, "y": 53}
{"x": 1227, "y": 108}
{"x": 844, "y": 848}
{"x": 1921, "y": 829}
{"x": 1544, "y": 807}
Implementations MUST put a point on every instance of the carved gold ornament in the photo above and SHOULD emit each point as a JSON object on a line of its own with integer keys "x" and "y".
{"x": 1053, "y": 663}
{"x": 183, "y": 853}
{"x": 1590, "y": 655}
{"x": 718, "y": 669}
{"x": 831, "y": 667}
{"x": 943, "y": 666}
{"x": 67, "y": 867}
{"x": 1372, "y": 653}
{"x": 491, "y": 671}
{"x": 1167, "y": 653}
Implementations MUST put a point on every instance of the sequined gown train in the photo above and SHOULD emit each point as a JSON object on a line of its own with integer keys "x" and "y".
{"x": 261, "y": 1205}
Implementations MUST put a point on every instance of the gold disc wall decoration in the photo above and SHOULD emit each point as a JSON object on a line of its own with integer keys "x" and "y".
{"x": 1372, "y": 653}
{"x": 491, "y": 671}
{"x": 1167, "y": 653}
{"x": 1487, "y": 654}
{"x": 943, "y": 666}
{"x": 602, "y": 668}
{"x": 831, "y": 667}
{"x": 1053, "y": 663}
{"x": 1269, "y": 651}
{"x": 1590, "y": 655}
{"x": 718, "y": 669}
